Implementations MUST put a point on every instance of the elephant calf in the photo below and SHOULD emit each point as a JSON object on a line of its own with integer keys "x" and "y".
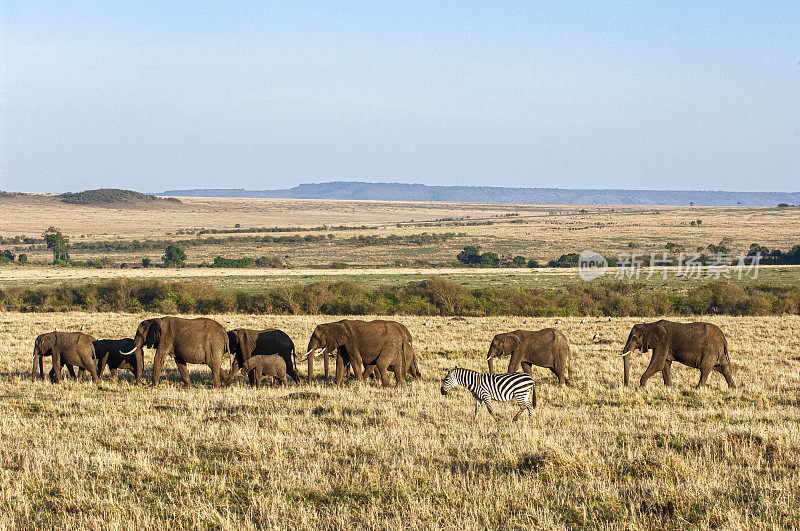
{"x": 65, "y": 348}
{"x": 261, "y": 365}
{"x": 548, "y": 348}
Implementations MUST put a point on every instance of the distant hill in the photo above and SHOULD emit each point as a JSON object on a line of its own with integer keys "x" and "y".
{"x": 112, "y": 197}
{"x": 492, "y": 194}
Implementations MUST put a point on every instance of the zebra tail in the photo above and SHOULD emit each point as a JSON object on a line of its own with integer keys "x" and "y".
{"x": 533, "y": 395}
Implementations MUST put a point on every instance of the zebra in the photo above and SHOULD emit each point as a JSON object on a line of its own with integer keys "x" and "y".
{"x": 487, "y": 387}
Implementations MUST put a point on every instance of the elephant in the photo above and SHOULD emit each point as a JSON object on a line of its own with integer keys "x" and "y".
{"x": 65, "y": 348}
{"x": 548, "y": 348}
{"x": 385, "y": 344}
{"x": 261, "y": 365}
{"x": 201, "y": 341}
{"x": 699, "y": 345}
{"x": 109, "y": 353}
{"x": 244, "y": 343}
{"x": 369, "y": 370}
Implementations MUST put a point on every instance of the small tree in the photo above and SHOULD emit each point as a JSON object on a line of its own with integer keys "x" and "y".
{"x": 470, "y": 255}
{"x": 22, "y": 258}
{"x": 146, "y": 262}
{"x": 58, "y": 244}
{"x": 519, "y": 261}
{"x": 6, "y": 256}
{"x": 699, "y": 221}
{"x": 490, "y": 260}
{"x": 174, "y": 256}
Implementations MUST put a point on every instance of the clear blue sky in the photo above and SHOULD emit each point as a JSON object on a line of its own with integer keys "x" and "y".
{"x": 159, "y": 95}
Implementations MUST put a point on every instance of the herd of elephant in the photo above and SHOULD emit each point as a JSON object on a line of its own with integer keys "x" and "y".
{"x": 361, "y": 346}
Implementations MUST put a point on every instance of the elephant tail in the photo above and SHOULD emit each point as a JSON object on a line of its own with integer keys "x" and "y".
{"x": 725, "y": 350}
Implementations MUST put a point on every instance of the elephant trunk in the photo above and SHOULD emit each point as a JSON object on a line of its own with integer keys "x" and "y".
{"x": 310, "y": 356}
{"x": 490, "y": 361}
{"x": 36, "y": 355}
{"x": 626, "y": 367}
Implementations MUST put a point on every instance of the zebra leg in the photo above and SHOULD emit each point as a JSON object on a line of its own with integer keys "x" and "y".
{"x": 491, "y": 411}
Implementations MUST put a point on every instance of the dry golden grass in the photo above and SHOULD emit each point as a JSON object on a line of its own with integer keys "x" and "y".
{"x": 596, "y": 454}
{"x": 542, "y": 232}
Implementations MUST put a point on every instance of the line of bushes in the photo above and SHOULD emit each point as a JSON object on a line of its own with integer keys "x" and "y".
{"x": 434, "y": 296}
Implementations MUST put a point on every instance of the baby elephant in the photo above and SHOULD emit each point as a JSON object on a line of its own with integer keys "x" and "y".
{"x": 257, "y": 367}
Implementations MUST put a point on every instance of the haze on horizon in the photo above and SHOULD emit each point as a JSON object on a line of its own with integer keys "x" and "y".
{"x": 152, "y": 96}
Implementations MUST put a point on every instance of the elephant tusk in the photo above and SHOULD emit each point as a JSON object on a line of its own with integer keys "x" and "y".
{"x": 624, "y": 353}
{"x": 127, "y": 353}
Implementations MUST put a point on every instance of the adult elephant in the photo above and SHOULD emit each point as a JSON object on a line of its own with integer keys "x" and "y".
{"x": 548, "y": 348}
{"x": 385, "y": 344}
{"x": 200, "y": 341}
{"x": 108, "y": 351}
{"x": 65, "y": 348}
{"x": 699, "y": 345}
{"x": 244, "y": 343}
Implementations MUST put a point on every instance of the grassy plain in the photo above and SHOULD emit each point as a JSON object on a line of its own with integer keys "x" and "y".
{"x": 596, "y": 454}
{"x": 541, "y": 232}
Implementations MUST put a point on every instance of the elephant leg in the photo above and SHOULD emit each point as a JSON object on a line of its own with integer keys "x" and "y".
{"x": 91, "y": 369}
{"x": 725, "y": 371}
{"x": 71, "y": 371}
{"x": 184, "y": 370}
{"x": 561, "y": 374}
{"x": 528, "y": 368}
{"x": 382, "y": 370}
{"x": 400, "y": 377}
{"x": 158, "y": 365}
{"x": 258, "y": 376}
{"x": 656, "y": 363}
{"x": 101, "y": 364}
{"x": 665, "y": 373}
{"x": 215, "y": 371}
{"x": 251, "y": 377}
{"x": 326, "y": 363}
{"x": 704, "y": 372}
{"x": 341, "y": 370}
{"x": 55, "y": 372}
{"x": 41, "y": 367}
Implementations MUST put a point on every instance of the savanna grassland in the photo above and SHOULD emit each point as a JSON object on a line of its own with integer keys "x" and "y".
{"x": 539, "y": 232}
{"x": 595, "y": 454}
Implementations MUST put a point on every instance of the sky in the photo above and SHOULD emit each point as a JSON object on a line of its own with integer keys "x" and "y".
{"x": 259, "y": 95}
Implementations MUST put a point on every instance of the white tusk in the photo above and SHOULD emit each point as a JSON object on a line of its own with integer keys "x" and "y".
{"x": 624, "y": 353}
{"x": 130, "y": 352}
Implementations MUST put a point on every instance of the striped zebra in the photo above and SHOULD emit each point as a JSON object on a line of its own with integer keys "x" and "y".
{"x": 487, "y": 387}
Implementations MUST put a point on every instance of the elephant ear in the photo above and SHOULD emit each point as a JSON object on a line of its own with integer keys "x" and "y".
{"x": 653, "y": 336}
{"x": 47, "y": 342}
{"x": 336, "y": 335}
{"x": 510, "y": 343}
{"x": 153, "y": 334}
{"x": 233, "y": 342}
